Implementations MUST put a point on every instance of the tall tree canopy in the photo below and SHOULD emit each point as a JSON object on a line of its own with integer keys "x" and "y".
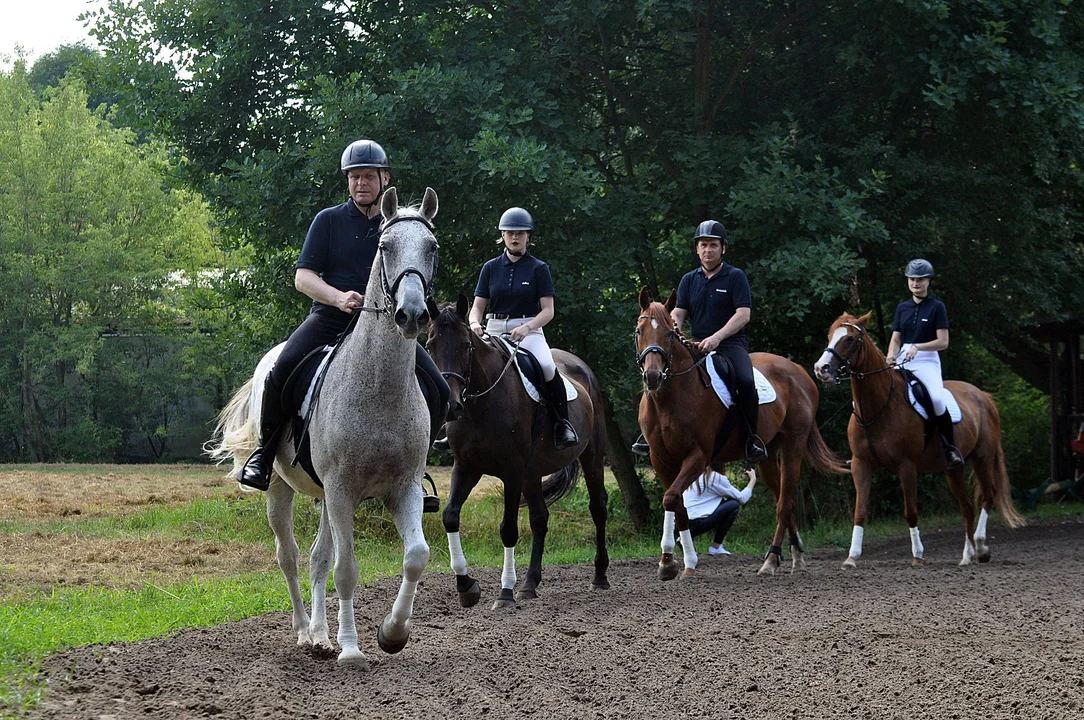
{"x": 836, "y": 140}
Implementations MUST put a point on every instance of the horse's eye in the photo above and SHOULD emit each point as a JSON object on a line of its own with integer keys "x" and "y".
{"x": 382, "y": 244}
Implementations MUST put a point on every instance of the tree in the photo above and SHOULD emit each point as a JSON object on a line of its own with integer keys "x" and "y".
{"x": 88, "y": 238}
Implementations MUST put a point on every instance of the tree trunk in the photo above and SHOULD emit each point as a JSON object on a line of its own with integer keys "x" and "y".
{"x": 624, "y": 470}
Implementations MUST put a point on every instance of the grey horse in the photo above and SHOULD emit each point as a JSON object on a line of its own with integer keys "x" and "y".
{"x": 369, "y": 438}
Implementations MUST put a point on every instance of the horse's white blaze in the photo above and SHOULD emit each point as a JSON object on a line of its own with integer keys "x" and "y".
{"x": 916, "y": 544}
{"x": 654, "y": 324}
{"x": 856, "y": 542}
{"x": 667, "y": 532}
{"x": 826, "y": 357}
{"x": 689, "y": 550}
{"x": 508, "y": 574}
{"x": 980, "y": 531}
{"x": 455, "y": 550}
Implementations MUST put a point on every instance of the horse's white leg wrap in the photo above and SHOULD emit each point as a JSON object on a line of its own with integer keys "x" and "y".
{"x": 508, "y": 574}
{"x": 688, "y": 548}
{"x": 980, "y": 530}
{"x": 916, "y": 544}
{"x": 856, "y": 542}
{"x": 455, "y": 550}
{"x": 667, "y": 532}
{"x": 969, "y": 552}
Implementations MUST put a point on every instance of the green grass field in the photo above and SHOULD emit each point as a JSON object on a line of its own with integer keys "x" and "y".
{"x": 39, "y": 620}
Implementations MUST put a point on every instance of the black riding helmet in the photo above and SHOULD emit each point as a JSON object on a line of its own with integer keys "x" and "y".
{"x": 516, "y": 218}
{"x": 919, "y": 268}
{"x": 709, "y": 229}
{"x": 364, "y": 153}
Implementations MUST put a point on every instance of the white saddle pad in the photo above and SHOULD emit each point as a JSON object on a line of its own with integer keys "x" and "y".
{"x": 950, "y": 402}
{"x": 263, "y": 369}
{"x": 765, "y": 391}
{"x": 570, "y": 389}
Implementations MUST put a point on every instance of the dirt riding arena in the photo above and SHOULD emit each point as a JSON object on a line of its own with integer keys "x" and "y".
{"x": 1003, "y": 640}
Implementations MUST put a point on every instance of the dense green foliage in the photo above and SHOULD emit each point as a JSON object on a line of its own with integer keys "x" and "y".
{"x": 101, "y": 271}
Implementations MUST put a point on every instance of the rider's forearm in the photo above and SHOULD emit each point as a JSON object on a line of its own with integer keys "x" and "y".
{"x": 732, "y": 326}
{"x": 540, "y": 320}
{"x": 312, "y": 285}
{"x": 936, "y": 345}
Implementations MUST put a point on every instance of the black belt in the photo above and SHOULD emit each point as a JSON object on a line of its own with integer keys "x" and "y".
{"x": 505, "y": 316}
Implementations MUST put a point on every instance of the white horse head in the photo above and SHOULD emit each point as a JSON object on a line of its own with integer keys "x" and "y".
{"x": 407, "y": 259}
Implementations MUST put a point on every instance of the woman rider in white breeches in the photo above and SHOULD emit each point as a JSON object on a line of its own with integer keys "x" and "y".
{"x": 920, "y": 330}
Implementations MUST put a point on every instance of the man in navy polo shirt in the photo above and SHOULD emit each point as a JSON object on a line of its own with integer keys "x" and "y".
{"x": 333, "y": 270}
{"x": 717, "y": 300}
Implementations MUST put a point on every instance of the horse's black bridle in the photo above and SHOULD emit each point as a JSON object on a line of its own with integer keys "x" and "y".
{"x": 465, "y": 379}
{"x": 667, "y": 355}
{"x": 390, "y": 289}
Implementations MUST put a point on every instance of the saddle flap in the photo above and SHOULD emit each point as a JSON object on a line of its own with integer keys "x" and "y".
{"x": 918, "y": 395}
{"x": 530, "y": 373}
{"x": 765, "y": 391}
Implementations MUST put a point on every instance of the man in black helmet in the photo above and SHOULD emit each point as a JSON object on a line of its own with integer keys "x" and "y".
{"x": 717, "y": 299}
{"x": 333, "y": 270}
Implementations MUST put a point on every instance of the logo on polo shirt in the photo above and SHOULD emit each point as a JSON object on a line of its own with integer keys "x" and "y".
{"x": 925, "y": 319}
{"x": 525, "y": 282}
{"x": 723, "y": 290}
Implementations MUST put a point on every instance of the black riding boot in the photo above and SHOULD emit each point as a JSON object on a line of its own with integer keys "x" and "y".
{"x": 640, "y": 447}
{"x": 257, "y": 470}
{"x": 441, "y": 444}
{"x": 953, "y": 458}
{"x": 564, "y": 435}
{"x": 755, "y": 451}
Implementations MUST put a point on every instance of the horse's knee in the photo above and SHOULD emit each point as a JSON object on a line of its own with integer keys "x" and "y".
{"x": 671, "y": 501}
{"x": 450, "y": 517}
{"x": 415, "y": 559}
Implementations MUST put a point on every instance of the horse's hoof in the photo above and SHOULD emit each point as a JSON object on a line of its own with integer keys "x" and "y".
{"x": 388, "y": 636}
{"x": 668, "y": 571}
{"x": 984, "y": 557}
{"x": 797, "y": 562}
{"x": 505, "y": 600}
{"x": 688, "y": 574}
{"x": 527, "y": 593}
{"x": 917, "y": 562}
{"x": 769, "y": 567}
{"x": 353, "y": 657}
{"x": 600, "y": 584}
{"x": 850, "y": 563}
{"x": 471, "y": 596}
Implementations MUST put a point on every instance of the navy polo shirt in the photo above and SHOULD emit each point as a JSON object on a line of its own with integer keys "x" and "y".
{"x": 711, "y": 302}
{"x": 341, "y": 246}
{"x": 918, "y": 322}
{"x": 514, "y": 288}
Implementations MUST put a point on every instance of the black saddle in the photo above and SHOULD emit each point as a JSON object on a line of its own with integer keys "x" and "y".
{"x": 922, "y": 396}
{"x": 297, "y": 387}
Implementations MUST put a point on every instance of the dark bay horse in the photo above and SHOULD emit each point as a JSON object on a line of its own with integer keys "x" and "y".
{"x": 680, "y": 418}
{"x": 494, "y": 434}
{"x": 885, "y": 432}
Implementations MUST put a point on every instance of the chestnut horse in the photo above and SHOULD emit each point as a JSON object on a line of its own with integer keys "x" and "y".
{"x": 886, "y": 432}
{"x": 681, "y": 416}
{"x": 494, "y": 433}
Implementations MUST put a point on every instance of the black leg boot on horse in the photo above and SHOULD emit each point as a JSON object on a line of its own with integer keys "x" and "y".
{"x": 953, "y": 458}
{"x": 256, "y": 472}
{"x": 564, "y": 435}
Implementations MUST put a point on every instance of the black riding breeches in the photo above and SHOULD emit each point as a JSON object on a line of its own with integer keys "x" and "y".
{"x": 741, "y": 377}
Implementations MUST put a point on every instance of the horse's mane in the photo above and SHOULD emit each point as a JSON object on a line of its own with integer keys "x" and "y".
{"x": 868, "y": 337}
{"x": 657, "y": 311}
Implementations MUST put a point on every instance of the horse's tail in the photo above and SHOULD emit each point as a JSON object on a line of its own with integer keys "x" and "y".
{"x": 235, "y": 435}
{"x": 820, "y": 457}
{"x": 1002, "y": 490}
{"x": 559, "y": 484}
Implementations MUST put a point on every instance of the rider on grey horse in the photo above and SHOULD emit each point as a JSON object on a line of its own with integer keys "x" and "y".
{"x": 333, "y": 270}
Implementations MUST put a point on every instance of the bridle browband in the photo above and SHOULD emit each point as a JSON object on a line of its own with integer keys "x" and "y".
{"x": 391, "y": 289}
{"x": 667, "y": 355}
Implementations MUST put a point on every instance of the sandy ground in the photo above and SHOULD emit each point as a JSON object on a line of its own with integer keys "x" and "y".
{"x": 1003, "y": 640}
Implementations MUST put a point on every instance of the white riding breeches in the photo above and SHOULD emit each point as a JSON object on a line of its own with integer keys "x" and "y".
{"x": 535, "y": 343}
{"x": 927, "y": 366}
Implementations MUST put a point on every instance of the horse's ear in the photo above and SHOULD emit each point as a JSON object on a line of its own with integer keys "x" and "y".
{"x": 864, "y": 320}
{"x": 461, "y": 305}
{"x": 431, "y": 306}
{"x": 671, "y": 302}
{"x": 429, "y": 204}
{"x": 389, "y": 205}
{"x": 645, "y": 298}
